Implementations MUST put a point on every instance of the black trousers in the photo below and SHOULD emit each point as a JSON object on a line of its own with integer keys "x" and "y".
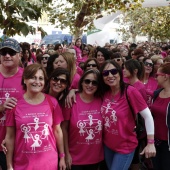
{"x": 3, "y": 161}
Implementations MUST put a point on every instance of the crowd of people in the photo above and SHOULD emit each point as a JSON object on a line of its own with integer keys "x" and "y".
{"x": 79, "y": 106}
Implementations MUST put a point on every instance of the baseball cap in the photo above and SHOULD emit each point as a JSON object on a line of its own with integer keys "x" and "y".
{"x": 10, "y": 43}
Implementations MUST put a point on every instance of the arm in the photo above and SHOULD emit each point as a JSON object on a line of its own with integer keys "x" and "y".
{"x": 65, "y": 126}
{"x": 10, "y": 140}
{"x": 149, "y": 150}
{"x": 10, "y": 103}
{"x": 59, "y": 138}
{"x": 71, "y": 98}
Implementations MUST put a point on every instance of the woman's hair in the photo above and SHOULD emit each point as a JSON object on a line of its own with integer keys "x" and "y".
{"x": 116, "y": 55}
{"x": 164, "y": 68}
{"x": 132, "y": 64}
{"x": 91, "y": 59}
{"x": 30, "y": 71}
{"x": 71, "y": 63}
{"x": 106, "y": 87}
{"x": 50, "y": 61}
{"x": 97, "y": 74}
{"x": 144, "y": 60}
{"x": 39, "y": 58}
{"x": 167, "y": 59}
{"x": 57, "y": 47}
{"x": 38, "y": 51}
{"x": 24, "y": 52}
{"x": 105, "y": 53}
{"x": 57, "y": 72}
{"x": 155, "y": 58}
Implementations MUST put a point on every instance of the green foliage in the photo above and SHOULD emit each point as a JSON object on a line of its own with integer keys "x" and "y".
{"x": 153, "y": 22}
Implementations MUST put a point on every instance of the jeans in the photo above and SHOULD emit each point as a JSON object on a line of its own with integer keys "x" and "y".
{"x": 162, "y": 159}
{"x": 117, "y": 161}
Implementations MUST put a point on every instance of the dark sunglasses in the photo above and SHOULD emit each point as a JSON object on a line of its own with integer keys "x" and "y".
{"x": 93, "y": 65}
{"x": 117, "y": 59}
{"x": 148, "y": 64}
{"x": 88, "y": 81}
{"x": 85, "y": 49}
{"x": 8, "y": 51}
{"x": 112, "y": 71}
{"x": 44, "y": 58}
{"x": 57, "y": 79}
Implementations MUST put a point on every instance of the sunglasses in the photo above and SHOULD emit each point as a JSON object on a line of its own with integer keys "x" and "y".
{"x": 93, "y": 82}
{"x": 93, "y": 65}
{"x": 161, "y": 74}
{"x": 44, "y": 58}
{"x": 148, "y": 64}
{"x": 9, "y": 51}
{"x": 112, "y": 71}
{"x": 57, "y": 79}
{"x": 117, "y": 59}
{"x": 85, "y": 49}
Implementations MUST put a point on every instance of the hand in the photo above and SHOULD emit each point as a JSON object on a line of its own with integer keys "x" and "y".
{"x": 4, "y": 147}
{"x": 71, "y": 97}
{"x": 68, "y": 161}
{"x": 149, "y": 151}
{"x": 62, "y": 164}
{"x": 10, "y": 103}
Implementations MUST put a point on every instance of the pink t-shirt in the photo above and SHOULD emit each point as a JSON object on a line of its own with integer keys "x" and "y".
{"x": 82, "y": 59}
{"x": 159, "y": 109}
{"x": 85, "y": 132}
{"x": 75, "y": 81}
{"x": 78, "y": 52}
{"x": 150, "y": 87}
{"x": 10, "y": 87}
{"x": 119, "y": 122}
{"x": 141, "y": 88}
{"x": 79, "y": 71}
{"x": 35, "y": 143}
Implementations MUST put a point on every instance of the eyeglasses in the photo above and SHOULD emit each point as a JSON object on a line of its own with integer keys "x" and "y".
{"x": 112, "y": 71}
{"x": 8, "y": 51}
{"x": 117, "y": 59}
{"x": 88, "y": 81}
{"x": 46, "y": 58}
{"x": 85, "y": 49}
{"x": 57, "y": 79}
{"x": 93, "y": 65}
{"x": 161, "y": 74}
{"x": 148, "y": 64}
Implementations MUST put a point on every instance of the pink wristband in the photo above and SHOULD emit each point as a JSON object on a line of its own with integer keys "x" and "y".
{"x": 151, "y": 141}
{"x": 61, "y": 155}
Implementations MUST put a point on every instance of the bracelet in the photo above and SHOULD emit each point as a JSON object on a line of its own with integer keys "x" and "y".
{"x": 151, "y": 141}
{"x": 61, "y": 155}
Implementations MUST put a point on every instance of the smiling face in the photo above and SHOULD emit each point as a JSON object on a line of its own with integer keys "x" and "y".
{"x": 44, "y": 60}
{"x": 89, "y": 84}
{"x": 112, "y": 80}
{"x": 100, "y": 57}
{"x": 36, "y": 83}
{"x": 148, "y": 64}
{"x": 58, "y": 84}
{"x": 126, "y": 73}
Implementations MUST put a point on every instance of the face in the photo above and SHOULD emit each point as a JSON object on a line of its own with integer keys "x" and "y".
{"x": 78, "y": 43}
{"x": 9, "y": 58}
{"x": 44, "y": 60}
{"x": 60, "y": 49}
{"x": 126, "y": 73}
{"x": 60, "y": 62}
{"x": 160, "y": 77}
{"x": 90, "y": 84}
{"x": 110, "y": 76}
{"x": 58, "y": 84}
{"x": 91, "y": 65}
{"x": 145, "y": 53}
{"x": 26, "y": 54}
{"x": 85, "y": 51}
{"x": 100, "y": 58}
{"x": 148, "y": 64}
{"x": 36, "y": 83}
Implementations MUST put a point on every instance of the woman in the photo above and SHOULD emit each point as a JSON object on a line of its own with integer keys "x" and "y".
{"x": 51, "y": 64}
{"x": 78, "y": 48}
{"x": 26, "y": 58}
{"x": 58, "y": 85}
{"x": 58, "y": 48}
{"x": 161, "y": 113}
{"x": 33, "y": 126}
{"x": 134, "y": 71}
{"x": 82, "y": 127}
{"x": 85, "y": 53}
{"x": 66, "y": 60}
{"x": 42, "y": 59}
{"x": 117, "y": 57}
{"x": 149, "y": 81}
{"x": 119, "y": 137}
{"x": 91, "y": 63}
{"x": 102, "y": 55}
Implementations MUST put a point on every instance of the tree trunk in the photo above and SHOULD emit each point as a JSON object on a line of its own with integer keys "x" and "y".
{"x": 149, "y": 37}
{"x": 133, "y": 38}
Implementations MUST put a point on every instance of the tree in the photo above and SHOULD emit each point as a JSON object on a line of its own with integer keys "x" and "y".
{"x": 75, "y": 14}
{"x": 153, "y": 22}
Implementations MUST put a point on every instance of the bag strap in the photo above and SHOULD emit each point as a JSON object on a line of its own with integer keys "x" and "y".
{"x": 156, "y": 94}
